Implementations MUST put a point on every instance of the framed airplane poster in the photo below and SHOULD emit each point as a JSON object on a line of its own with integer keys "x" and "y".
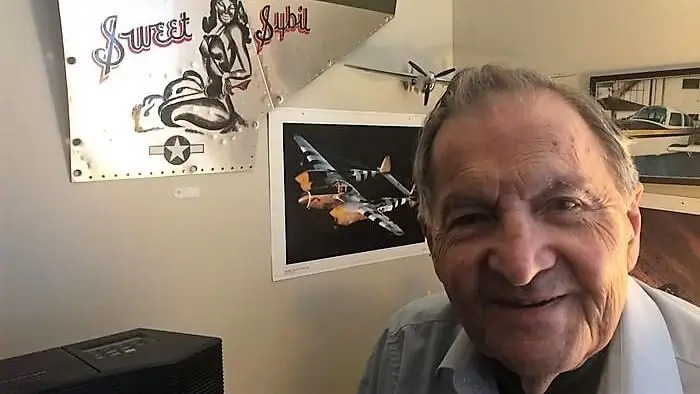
{"x": 340, "y": 189}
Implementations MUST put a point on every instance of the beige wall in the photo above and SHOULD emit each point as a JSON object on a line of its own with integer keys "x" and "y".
{"x": 576, "y": 36}
{"x": 579, "y": 37}
{"x": 82, "y": 260}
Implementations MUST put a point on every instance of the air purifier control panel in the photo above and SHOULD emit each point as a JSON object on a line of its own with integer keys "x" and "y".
{"x": 119, "y": 348}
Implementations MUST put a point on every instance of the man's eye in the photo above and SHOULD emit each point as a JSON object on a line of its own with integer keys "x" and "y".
{"x": 471, "y": 219}
{"x": 564, "y": 204}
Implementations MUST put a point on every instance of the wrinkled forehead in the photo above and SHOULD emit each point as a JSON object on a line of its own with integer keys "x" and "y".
{"x": 519, "y": 141}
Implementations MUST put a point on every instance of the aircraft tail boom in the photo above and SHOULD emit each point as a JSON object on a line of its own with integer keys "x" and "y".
{"x": 397, "y": 184}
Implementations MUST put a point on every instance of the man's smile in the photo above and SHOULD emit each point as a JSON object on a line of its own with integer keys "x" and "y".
{"x": 527, "y": 303}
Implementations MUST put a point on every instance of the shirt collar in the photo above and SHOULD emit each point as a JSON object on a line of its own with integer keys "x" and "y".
{"x": 467, "y": 366}
{"x": 457, "y": 353}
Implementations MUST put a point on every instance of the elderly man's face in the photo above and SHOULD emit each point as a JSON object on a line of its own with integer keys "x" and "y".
{"x": 529, "y": 234}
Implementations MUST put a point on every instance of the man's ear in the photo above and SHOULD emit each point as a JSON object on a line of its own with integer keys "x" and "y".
{"x": 634, "y": 215}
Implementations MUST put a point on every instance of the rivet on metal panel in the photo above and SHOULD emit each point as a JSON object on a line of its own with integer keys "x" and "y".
{"x": 77, "y": 173}
{"x": 77, "y": 141}
{"x": 71, "y": 60}
{"x": 233, "y": 138}
{"x": 278, "y": 99}
{"x": 224, "y": 142}
{"x": 256, "y": 125}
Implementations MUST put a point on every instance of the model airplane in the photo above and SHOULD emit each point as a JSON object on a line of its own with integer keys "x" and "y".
{"x": 328, "y": 189}
{"x": 424, "y": 81}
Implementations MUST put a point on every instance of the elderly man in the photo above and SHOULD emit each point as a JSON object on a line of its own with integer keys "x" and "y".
{"x": 529, "y": 203}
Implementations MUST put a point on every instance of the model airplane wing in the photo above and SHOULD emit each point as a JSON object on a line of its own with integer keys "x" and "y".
{"x": 374, "y": 70}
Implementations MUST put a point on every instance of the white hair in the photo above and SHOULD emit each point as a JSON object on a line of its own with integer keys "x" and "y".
{"x": 469, "y": 88}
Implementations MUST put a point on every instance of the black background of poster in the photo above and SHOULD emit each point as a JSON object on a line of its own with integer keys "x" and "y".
{"x": 312, "y": 234}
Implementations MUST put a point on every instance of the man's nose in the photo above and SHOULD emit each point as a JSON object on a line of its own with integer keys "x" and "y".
{"x": 521, "y": 249}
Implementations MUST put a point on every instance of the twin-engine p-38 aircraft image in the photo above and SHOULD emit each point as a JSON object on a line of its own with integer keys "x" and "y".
{"x": 328, "y": 189}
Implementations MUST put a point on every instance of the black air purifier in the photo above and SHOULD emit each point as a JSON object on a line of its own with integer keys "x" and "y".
{"x": 139, "y": 361}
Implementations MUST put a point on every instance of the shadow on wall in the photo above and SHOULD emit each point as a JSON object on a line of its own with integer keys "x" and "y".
{"x": 348, "y": 304}
{"x": 346, "y": 347}
{"x": 670, "y": 253}
{"x": 47, "y": 22}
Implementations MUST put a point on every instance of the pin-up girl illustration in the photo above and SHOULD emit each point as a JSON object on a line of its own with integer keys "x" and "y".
{"x": 205, "y": 104}
{"x": 225, "y": 47}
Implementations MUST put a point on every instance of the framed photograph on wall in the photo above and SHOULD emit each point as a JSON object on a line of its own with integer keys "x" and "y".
{"x": 341, "y": 192}
{"x": 658, "y": 109}
{"x": 669, "y": 257}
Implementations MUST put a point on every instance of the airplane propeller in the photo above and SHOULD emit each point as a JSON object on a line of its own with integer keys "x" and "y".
{"x": 308, "y": 199}
{"x": 438, "y": 75}
{"x": 431, "y": 78}
{"x": 417, "y": 67}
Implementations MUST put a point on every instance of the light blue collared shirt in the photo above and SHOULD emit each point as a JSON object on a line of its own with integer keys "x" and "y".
{"x": 466, "y": 368}
{"x": 425, "y": 350}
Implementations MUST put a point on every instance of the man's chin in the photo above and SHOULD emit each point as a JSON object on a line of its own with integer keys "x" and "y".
{"x": 534, "y": 359}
